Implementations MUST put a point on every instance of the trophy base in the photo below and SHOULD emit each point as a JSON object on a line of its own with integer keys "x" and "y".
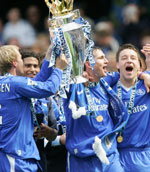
{"x": 78, "y": 80}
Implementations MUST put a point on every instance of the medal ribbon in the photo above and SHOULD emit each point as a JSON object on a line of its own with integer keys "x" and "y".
{"x": 89, "y": 99}
{"x": 62, "y": 119}
{"x": 44, "y": 108}
{"x": 132, "y": 97}
{"x": 36, "y": 124}
{"x": 130, "y": 104}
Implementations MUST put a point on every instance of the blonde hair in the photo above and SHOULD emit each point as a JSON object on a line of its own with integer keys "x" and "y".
{"x": 8, "y": 54}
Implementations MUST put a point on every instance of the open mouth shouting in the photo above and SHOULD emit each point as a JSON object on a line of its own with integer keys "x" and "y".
{"x": 105, "y": 69}
{"x": 129, "y": 69}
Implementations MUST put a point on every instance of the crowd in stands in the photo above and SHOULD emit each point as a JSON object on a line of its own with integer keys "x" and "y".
{"x": 126, "y": 22}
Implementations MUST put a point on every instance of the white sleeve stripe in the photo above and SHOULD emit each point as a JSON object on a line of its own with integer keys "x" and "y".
{"x": 1, "y": 120}
{"x": 68, "y": 161}
{"x": 12, "y": 163}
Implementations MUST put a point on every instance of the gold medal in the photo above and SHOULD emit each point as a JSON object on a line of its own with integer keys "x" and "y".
{"x": 99, "y": 118}
{"x": 119, "y": 139}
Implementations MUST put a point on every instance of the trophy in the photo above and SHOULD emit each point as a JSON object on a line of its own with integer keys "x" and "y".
{"x": 68, "y": 38}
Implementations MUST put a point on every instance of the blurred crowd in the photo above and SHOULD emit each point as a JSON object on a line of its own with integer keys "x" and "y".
{"x": 29, "y": 32}
{"x": 126, "y": 22}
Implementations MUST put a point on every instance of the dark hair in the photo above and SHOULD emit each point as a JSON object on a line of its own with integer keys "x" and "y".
{"x": 128, "y": 46}
{"x": 97, "y": 48}
{"x": 25, "y": 53}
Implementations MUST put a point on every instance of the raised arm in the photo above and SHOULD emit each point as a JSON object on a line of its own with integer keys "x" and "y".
{"x": 46, "y": 71}
{"x": 112, "y": 78}
{"x": 37, "y": 89}
{"x": 146, "y": 51}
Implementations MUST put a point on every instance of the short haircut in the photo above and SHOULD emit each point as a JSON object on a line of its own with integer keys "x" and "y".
{"x": 25, "y": 53}
{"x": 128, "y": 46}
{"x": 97, "y": 48}
{"x": 8, "y": 54}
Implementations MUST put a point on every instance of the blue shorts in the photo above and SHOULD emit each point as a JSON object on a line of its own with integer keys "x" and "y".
{"x": 11, "y": 164}
{"x": 93, "y": 164}
{"x": 135, "y": 159}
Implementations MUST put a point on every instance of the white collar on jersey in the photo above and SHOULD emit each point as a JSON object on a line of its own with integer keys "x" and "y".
{"x": 126, "y": 88}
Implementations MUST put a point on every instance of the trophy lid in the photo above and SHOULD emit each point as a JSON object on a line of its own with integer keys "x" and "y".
{"x": 60, "y": 8}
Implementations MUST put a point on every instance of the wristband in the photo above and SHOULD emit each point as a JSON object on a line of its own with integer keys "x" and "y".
{"x": 140, "y": 74}
{"x": 56, "y": 142}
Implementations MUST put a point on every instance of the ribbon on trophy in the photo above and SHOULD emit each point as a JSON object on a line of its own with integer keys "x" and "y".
{"x": 70, "y": 35}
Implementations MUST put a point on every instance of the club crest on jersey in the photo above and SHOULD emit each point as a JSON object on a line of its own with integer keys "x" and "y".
{"x": 31, "y": 82}
{"x": 140, "y": 92}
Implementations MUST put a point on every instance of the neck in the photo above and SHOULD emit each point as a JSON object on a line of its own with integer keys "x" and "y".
{"x": 12, "y": 71}
{"x": 128, "y": 83}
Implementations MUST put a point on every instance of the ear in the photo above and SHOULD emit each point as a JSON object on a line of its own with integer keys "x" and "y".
{"x": 14, "y": 64}
{"x": 87, "y": 64}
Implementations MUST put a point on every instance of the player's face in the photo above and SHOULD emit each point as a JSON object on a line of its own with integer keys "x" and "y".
{"x": 101, "y": 63}
{"x": 128, "y": 64}
{"x": 31, "y": 67}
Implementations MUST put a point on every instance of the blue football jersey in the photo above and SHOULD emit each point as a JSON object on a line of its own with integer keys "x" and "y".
{"x": 16, "y": 120}
{"x": 136, "y": 133}
{"x": 81, "y": 132}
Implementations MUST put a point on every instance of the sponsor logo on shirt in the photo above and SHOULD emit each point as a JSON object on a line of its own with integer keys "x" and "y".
{"x": 98, "y": 106}
{"x": 139, "y": 108}
{"x": 103, "y": 107}
{"x": 96, "y": 100}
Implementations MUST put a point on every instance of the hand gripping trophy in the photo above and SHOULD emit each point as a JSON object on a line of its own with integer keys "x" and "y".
{"x": 70, "y": 35}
